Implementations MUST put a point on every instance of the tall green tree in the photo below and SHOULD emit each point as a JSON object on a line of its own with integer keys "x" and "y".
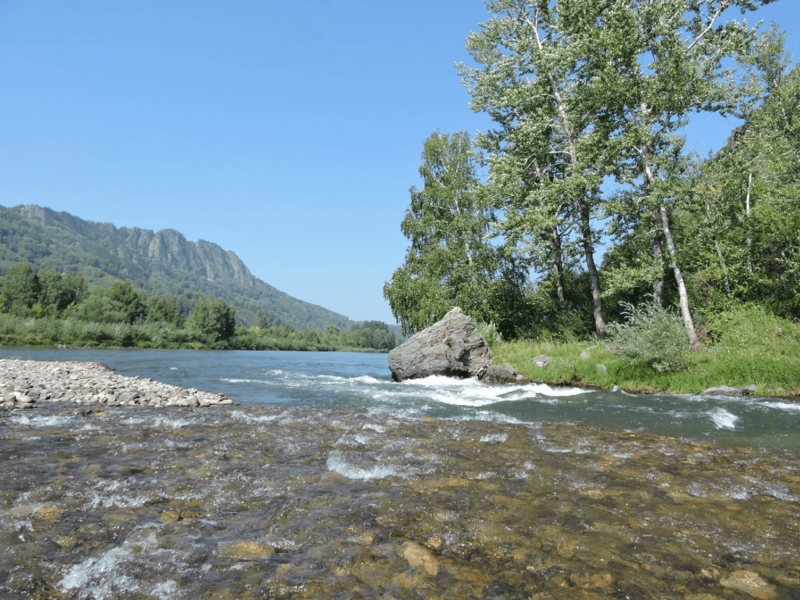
{"x": 654, "y": 64}
{"x": 161, "y": 310}
{"x": 58, "y": 292}
{"x": 741, "y": 220}
{"x": 450, "y": 261}
{"x": 214, "y": 318}
{"x": 546, "y": 152}
{"x": 21, "y": 289}
{"x": 132, "y": 303}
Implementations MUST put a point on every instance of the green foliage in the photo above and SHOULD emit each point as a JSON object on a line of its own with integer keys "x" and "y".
{"x": 213, "y": 318}
{"x": 450, "y": 262}
{"x": 752, "y": 329}
{"x": 651, "y": 335}
{"x": 20, "y": 290}
{"x": 132, "y": 303}
{"x": 115, "y": 317}
{"x": 160, "y": 310}
{"x": 490, "y": 334}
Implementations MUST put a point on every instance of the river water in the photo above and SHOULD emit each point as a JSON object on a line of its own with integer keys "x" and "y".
{"x": 362, "y": 382}
{"x": 328, "y": 480}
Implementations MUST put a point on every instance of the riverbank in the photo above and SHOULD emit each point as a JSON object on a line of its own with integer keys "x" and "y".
{"x": 250, "y": 502}
{"x": 26, "y": 383}
{"x": 774, "y": 370}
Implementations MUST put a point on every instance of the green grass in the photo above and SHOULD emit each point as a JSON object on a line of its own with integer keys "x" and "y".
{"x": 743, "y": 347}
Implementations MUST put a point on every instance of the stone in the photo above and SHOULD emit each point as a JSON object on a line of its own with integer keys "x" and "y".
{"x": 724, "y": 390}
{"x": 452, "y": 347}
{"x": 502, "y": 374}
{"x": 417, "y": 556}
{"x": 541, "y": 361}
{"x": 750, "y": 583}
{"x": 244, "y": 550}
{"x": 585, "y": 355}
{"x": 602, "y": 369}
{"x": 37, "y": 382}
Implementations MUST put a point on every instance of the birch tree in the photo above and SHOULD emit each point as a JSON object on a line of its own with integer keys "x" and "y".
{"x": 450, "y": 261}
{"x": 656, "y": 63}
{"x": 545, "y": 154}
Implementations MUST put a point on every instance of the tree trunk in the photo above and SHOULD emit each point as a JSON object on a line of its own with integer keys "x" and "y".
{"x": 655, "y": 240}
{"x": 588, "y": 251}
{"x": 658, "y": 254}
{"x": 749, "y": 239}
{"x": 683, "y": 296}
{"x": 558, "y": 265}
{"x": 722, "y": 263}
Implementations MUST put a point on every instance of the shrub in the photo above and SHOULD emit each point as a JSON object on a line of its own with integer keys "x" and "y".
{"x": 489, "y": 333}
{"x": 651, "y": 335}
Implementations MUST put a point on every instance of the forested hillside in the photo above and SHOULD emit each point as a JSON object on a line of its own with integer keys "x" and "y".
{"x": 161, "y": 263}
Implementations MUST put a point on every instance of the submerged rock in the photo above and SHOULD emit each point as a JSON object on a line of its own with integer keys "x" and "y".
{"x": 452, "y": 347}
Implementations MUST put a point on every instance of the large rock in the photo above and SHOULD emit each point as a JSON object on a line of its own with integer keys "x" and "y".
{"x": 503, "y": 374}
{"x": 451, "y": 347}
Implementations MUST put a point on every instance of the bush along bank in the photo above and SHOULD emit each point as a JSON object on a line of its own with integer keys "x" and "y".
{"x": 739, "y": 348}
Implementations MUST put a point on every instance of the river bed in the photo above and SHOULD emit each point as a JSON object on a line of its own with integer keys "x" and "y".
{"x": 396, "y": 498}
{"x": 255, "y": 502}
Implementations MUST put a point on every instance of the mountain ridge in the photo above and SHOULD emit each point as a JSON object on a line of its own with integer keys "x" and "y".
{"x": 159, "y": 262}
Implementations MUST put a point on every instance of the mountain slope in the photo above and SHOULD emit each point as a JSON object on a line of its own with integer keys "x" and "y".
{"x": 161, "y": 263}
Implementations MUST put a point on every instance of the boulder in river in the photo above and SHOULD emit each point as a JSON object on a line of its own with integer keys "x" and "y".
{"x": 503, "y": 374}
{"x": 452, "y": 347}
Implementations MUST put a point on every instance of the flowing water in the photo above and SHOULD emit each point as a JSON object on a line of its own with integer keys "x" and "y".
{"x": 362, "y": 382}
{"x": 330, "y": 481}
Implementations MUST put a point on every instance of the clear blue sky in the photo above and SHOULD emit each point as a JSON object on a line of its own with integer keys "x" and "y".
{"x": 286, "y": 132}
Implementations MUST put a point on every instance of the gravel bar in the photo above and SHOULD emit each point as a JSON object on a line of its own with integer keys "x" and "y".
{"x": 24, "y": 383}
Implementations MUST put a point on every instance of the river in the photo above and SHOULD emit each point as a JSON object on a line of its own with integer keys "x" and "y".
{"x": 362, "y": 382}
{"x": 328, "y": 480}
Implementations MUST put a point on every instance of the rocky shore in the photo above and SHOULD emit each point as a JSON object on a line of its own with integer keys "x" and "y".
{"x": 25, "y": 383}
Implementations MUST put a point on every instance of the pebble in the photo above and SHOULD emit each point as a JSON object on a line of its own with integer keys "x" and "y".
{"x": 26, "y": 383}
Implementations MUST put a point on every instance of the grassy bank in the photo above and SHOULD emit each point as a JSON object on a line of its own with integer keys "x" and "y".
{"x": 742, "y": 348}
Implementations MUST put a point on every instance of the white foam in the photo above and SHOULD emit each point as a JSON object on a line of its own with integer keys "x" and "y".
{"x": 338, "y": 465}
{"x": 782, "y": 405}
{"x": 242, "y": 416}
{"x": 103, "y": 578}
{"x": 366, "y": 379}
{"x": 494, "y": 438}
{"x": 374, "y": 427}
{"x": 52, "y": 421}
{"x": 474, "y": 394}
{"x": 723, "y": 419}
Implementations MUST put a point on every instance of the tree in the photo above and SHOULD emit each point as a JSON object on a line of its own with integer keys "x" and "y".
{"x": 741, "y": 218}
{"x": 450, "y": 262}
{"x": 160, "y": 310}
{"x": 546, "y": 155}
{"x": 58, "y": 292}
{"x": 214, "y": 318}
{"x": 653, "y": 64}
{"x": 132, "y": 303}
{"x": 20, "y": 289}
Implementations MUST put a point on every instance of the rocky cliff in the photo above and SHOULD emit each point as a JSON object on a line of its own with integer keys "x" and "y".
{"x": 158, "y": 262}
